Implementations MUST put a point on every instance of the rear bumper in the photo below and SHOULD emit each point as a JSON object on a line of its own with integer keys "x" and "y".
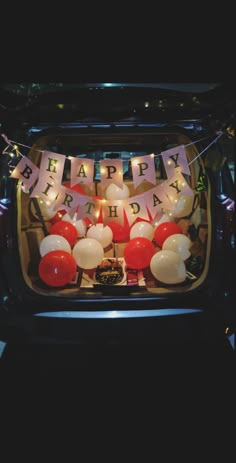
{"x": 161, "y": 326}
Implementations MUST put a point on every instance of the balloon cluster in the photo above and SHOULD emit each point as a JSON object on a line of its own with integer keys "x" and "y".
{"x": 62, "y": 252}
{"x": 162, "y": 246}
{"x": 167, "y": 265}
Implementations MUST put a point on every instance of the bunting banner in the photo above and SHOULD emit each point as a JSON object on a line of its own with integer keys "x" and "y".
{"x": 46, "y": 182}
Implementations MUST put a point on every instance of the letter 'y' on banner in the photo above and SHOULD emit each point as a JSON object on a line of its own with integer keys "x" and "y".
{"x": 177, "y": 186}
{"x": 26, "y": 171}
{"x": 175, "y": 161}
{"x": 52, "y": 164}
{"x": 82, "y": 171}
{"x": 111, "y": 172}
{"x": 143, "y": 168}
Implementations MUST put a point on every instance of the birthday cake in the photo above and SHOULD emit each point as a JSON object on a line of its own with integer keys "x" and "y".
{"x": 109, "y": 272}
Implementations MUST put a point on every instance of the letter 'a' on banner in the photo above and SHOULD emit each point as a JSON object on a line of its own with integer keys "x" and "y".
{"x": 156, "y": 199}
{"x": 143, "y": 168}
{"x": 82, "y": 171}
{"x": 26, "y": 171}
{"x": 175, "y": 161}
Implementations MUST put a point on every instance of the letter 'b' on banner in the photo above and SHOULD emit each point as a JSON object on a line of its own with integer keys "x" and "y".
{"x": 26, "y": 171}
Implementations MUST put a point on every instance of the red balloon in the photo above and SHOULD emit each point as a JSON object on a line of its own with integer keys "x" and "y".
{"x": 138, "y": 253}
{"x": 78, "y": 188}
{"x": 57, "y": 268}
{"x": 139, "y": 219}
{"x": 65, "y": 229}
{"x": 164, "y": 230}
{"x": 120, "y": 233}
{"x": 58, "y": 216}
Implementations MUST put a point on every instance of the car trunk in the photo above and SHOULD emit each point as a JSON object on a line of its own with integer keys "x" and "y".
{"x": 144, "y": 127}
{"x": 36, "y": 219}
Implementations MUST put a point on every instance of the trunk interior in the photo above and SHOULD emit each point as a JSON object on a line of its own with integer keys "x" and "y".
{"x": 194, "y": 220}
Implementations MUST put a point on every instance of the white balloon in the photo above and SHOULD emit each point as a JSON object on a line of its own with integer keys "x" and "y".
{"x": 164, "y": 218}
{"x": 178, "y": 243}
{"x": 183, "y": 207}
{"x": 68, "y": 218}
{"x": 47, "y": 211}
{"x": 114, "y": 192}
{"x": 100, "y": 233}
{"x": 54, "y": 243}
{"x": 80, "y": 225}
{"x": 143, "y": 229}
{"x": 168, "y": 267}
{"x": 88, "y": 253}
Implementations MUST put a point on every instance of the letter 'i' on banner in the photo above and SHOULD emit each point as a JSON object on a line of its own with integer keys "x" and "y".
{"x": 46, "y": 188}
{"x": 26, "y": 171}
{"x": 175, "y": 161}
